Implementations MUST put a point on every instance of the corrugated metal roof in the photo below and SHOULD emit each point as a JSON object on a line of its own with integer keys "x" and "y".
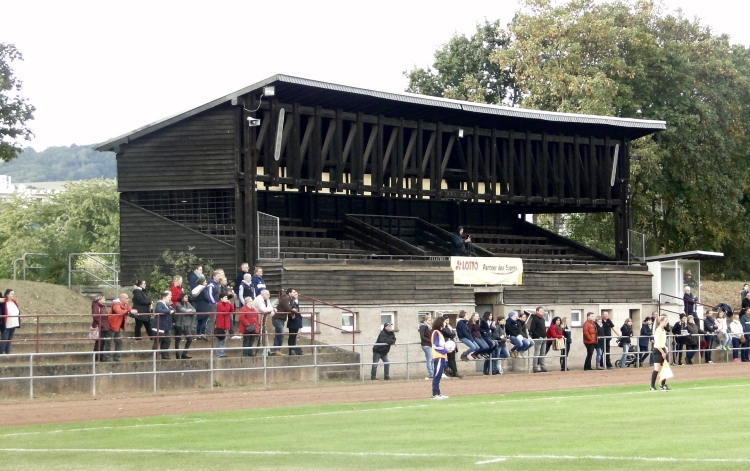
{"x": 406, "y": 98}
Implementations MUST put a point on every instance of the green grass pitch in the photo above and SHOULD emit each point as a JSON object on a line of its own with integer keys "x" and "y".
{"x": 583, "y": 429}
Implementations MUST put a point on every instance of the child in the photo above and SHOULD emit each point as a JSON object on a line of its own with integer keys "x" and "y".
{"x": 223, "y": 310}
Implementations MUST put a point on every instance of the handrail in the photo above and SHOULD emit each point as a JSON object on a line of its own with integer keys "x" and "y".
{"x": 114, "y": 283}
{"x": 711, "y": 308}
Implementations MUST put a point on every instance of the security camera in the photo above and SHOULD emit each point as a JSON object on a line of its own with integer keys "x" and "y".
{"x": 253, "y": 122}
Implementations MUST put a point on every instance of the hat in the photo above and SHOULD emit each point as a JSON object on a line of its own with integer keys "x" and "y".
{"x": 387, "y": 324}
{"x": 512, "y": 313}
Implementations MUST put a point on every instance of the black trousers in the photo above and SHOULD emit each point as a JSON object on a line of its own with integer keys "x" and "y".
{"x": 292, "y": 342}
{"x": 606, "y": 353}
{"x": 452, "y": 363}
{"x": 146, "y": 324}
{"x": 164, "y": 340}
{"x": 589, "y": 352}
{"x": 248, "y": 342}
{"x": 179, "y": 332}
{"x": 678, "y": 345}
{"x": 108, "y": 336}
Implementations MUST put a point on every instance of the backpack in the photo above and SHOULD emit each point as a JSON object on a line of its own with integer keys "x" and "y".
{"x": 726, "y": 308}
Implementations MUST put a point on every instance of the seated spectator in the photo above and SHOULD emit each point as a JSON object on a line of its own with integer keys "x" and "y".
{"x": 599, "y": 342}
{"x": 476, "y": 337}
{"x": 449, "y": 333}
{"x": 513, "y": 329}
{"x": 626, "y": 332}
{"x": 464, "y": 335}
{"x": 184, "y": 325}
{"x": 501, "y": 337}
{"x": 224, "y": 308}
{"x": 693, "y": 339}
{"x": 737, "y": 334}
{"x": 722, "y": 331}
{"x": 523, "y": 321}
{"x": 249, "y": 327}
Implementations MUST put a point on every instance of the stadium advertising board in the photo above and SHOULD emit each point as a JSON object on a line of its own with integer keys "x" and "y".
{"x": 487, "y": 270}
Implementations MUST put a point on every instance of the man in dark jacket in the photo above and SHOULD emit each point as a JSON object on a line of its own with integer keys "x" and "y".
{"x": 643, "y": 341}
{"x": 680, "y": 335}
{"x": 538, "y": 333}
{"x": 709, "y": 326}
{"x": 425, "y": 330}
{"x": 380, "y": 352}
{"x": 745, "y": 321}
{"x": 689, "y": 300}
{"x": 289, "y": 304}
{"x": 608, "y": 326}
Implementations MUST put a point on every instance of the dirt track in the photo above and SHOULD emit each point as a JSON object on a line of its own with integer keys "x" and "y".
{"x": 41, "y": 411}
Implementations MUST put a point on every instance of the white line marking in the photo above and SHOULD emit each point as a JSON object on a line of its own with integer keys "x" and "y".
{"x": 666, "y": 459}
{"x": 494, "y": 460}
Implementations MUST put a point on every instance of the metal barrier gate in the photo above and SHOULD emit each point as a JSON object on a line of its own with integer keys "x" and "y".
{"x": 268, "y": 237}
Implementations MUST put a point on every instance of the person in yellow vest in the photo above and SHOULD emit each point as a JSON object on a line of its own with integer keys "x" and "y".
{"x": 660, "y": 352}
{"x": 439, "y": 355}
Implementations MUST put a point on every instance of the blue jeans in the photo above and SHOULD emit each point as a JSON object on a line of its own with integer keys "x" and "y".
{"x": 483, "y": 347}
{"x": 473, "y": 347}
{"x": 379, "y": 356}
{"x": 220, "y": 346}
{"x": 623, "y": 358}
{"x": 428, "y": 358}
{"x": 200, "y": 329}
{"x": 6, "y": 337}
{"x": 438, "y": 365}
{"x": 520, "y": 345}
{"x": 278, "y": 327}
{"x": 735, "y": 347}
{"x": 599, "y": 354}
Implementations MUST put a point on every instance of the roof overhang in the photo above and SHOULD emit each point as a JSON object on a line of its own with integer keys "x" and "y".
{"x": 632, "y": 127}
{"x": 692, "y": 255}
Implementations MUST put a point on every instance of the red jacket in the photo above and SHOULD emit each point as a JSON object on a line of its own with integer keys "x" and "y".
{"x": 249, "y": 316}
{"x": 589, "y": 333}
{"x": 553, "y": 333}
{"x": 222, "y": 315}
{"x": 101, "y": 319}
{"x": 176, "y": 292}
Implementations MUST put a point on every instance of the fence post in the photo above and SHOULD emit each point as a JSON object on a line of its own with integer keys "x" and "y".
{"x": 408, "y": 365}
{"x": 31, "y": 377}
{"x": 93, "y": 375}
{"x": 211, "y": 366}
{"x": 361, "y": 362}
{"x": 315, "y": 362}
{"x": 154, "y": 359}
{"x": 37, "y": 334}
{"x": 265, "y": 371}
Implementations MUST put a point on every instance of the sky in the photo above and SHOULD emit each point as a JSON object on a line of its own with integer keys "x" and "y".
{"x": 99, "y": 69}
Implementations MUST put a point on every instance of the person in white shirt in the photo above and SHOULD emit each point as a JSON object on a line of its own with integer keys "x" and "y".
{"x": 9, "y": 321}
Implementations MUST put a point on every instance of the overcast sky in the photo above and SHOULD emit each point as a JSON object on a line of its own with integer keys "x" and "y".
{"x": 96, "y": 70}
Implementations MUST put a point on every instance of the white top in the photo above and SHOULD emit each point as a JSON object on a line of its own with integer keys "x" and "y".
{"x": 735, "y": 327}
{"x": 12, "y": 312}
{"x": 721, "y": 325}
{"x": 261, "y": 305}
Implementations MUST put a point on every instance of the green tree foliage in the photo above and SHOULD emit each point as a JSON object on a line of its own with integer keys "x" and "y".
{"x": 15, "y": 111}
{"x": 463, "y": 69}
{"x": 61, "y": 163}
{"x": 83, "y": 218}
{"x": 631, "y": 59}
{"x": 160, "y": 274}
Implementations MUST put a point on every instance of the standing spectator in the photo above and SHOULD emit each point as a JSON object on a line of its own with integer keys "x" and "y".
{"x": 380, "y": 352}
{"x": 523, "y": 323}
{"x": 224, "y": 308}
{"x": 249, "y": 327}
{"x": 142, "y": 303}
{"x": 101, "y": 323}
{"x": 501, "y": 337}
{"x": 555, "y": 331}
{"x": 245, "y": 289}
{"x": 689, "y": 300}
{"x": 599, "y": 342}
{"x": 643, "y": 340}
{"x": 514, "y": 331}
{"x": 176, "y": 289}
{"x": 737, "y": 334}
{"x": 608, "y": 326}
{"x": 689, "y": 281}
{"x": 210, "y": 297}
{"x": 9, "y": 321}
{"x": 183, "y": 325}
{"x": 722, "y": 331}
{"x": 450, "y": 334}
{"x": 487, "y": 329}
{"x": 746, "y": 301}
{"x": 709, "y": 326}
{"x": 745, "y": 291}
{"x": 625, "y": 338}
{"x": 680, "y": 333}
{"x": 464, "y": 335}
{"x": 257, "y": 282}
{"x": 244, "y": 270}
{"x": 118, "y": 317}
{"x": 264, "y": 307}
{"x": 745, "y": 321}
{"x": 426, "y": 343}
{"x": 202, "y": 309}
{"x": 589, "y": 339}
{"x": 458, "y": 243}
{"x": 439, "y": 355}
{"x": 568, "y": 334}
{"x": 693, "y": 339}
{"x": 476, "y": 336}
{"x": 196, "y": 277}
{"x": 290, "y": 303}
{"x": 164, "y": 317}
{"x": 538, "y": 332}
{"x": 661, "y": 356}
{"x": 278, "y": 319}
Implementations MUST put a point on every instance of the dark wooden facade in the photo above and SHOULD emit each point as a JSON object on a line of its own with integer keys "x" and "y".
{"x": 344, "y": 150}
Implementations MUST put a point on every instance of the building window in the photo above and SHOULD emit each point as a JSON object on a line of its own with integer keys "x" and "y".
{"x": 306, "y": 324}
{"x": 348, "y": 322}
{"x": 421, "y": 314}
{"x": 389, "y": 317}
{"x": 575, "y": 317}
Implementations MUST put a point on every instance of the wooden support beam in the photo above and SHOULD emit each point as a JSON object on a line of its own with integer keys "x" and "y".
{"x": 263, "y": 130}
{"x": 370, "y": 145}
{"x": 349, "y": 143}
{"x": 306, "y": 139}
{"x": 409, "y": 151}
{"x": 327, "y": 142}
{"x": 389, "y": 149}
{"x": 293, "y": 161}
{"x": 447, "y": 155}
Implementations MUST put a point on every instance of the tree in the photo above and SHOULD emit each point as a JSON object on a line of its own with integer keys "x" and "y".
{"x": 630, "y": 59}
{"x": 463, "y": 69}
{"x": 83, "y": 218}
{"x": 15, "y": 111}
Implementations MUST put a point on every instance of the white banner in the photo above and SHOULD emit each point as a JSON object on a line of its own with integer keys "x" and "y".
{"x": 487, "y": 271}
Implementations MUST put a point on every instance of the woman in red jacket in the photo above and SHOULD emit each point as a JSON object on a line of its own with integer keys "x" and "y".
{"x": 249, "y": 327}
{"x": 555, "y": 331}
{"x": 176, "y": 289}
{"x": 100, "y": 323}
{"x": 223, "y": 322}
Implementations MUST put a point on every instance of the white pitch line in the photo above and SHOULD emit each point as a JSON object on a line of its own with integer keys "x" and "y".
{"x": 660, "y": 459}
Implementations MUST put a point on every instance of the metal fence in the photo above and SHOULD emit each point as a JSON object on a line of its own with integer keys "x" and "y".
{"x": 636, "y": 247}
{"x": 94, "y": 269}
{"x": 268, "y": 237}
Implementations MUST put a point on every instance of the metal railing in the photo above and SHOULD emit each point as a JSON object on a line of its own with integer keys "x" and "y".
{"x": 25, "y": 267}
{"x": 95, "y": 265}
{"x": 268, "y": 237}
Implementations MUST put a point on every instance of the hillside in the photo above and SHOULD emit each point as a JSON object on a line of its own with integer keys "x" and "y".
{"x": 45, "y": 298}
{"x": 60, "y": 164}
